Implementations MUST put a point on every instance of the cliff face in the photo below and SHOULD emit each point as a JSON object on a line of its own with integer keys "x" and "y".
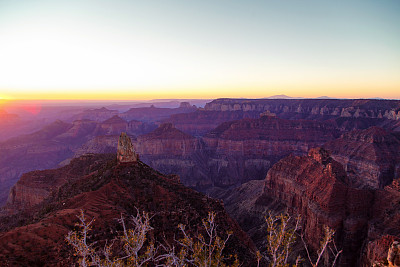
{"x": 312, "y": 108}
{"x": 167, "y": 140}
{"x": 233, "y": 153}
{"x": 317, "y": 187}
{"x": 114, "y": 125}
{"x": 99, "y": 144}
{"x": 171, "y": 151}
{"x": 269, "y": 136}
{"x": 125, "y": 151}
{"x": 106, "y": 190}
{"x": 370, "y": 157}
{"x": 202, "y": 121}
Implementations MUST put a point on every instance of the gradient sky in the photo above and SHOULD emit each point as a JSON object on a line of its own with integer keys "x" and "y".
{"x": 118, "y": 49}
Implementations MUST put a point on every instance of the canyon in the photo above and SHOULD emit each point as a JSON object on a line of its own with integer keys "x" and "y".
{"x": 106, "y": 190}
{"x": 334, "y": 162}
{"x": 317, "y": 188}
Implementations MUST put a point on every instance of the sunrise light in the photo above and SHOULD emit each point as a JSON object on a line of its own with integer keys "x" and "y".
{"x": 205, "y": 49}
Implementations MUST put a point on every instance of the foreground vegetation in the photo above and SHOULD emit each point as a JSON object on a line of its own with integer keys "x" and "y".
{"x": 134, "y": 248}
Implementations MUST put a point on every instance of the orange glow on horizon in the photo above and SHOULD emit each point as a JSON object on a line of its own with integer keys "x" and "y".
{"x": 384, "y": 90}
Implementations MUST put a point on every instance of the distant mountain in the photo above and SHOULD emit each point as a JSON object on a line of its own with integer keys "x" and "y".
{"x": 283, "y": 97}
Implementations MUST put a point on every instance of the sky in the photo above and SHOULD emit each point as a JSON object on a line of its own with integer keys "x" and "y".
{"x": 120, "y": 50}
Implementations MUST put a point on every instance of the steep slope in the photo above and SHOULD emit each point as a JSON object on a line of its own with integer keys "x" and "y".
{"x": 256, "y": 144}
{"x": 33, "y": 187}
{"x": 316, "y": 187}
{"x": 170, "y": 151}
{"x": 371, "y": 157}
{"x": 36, "y": 236}
{"x": 167, "y": 140}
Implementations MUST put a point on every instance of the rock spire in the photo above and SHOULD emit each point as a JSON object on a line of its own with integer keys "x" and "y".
{"x": 125, "y": 152}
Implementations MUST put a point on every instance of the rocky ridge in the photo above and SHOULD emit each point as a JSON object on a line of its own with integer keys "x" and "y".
{"x": 317, "y": 187}
{"x": 35, "y": 236}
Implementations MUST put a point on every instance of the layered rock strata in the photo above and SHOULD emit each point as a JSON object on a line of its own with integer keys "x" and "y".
{"x": 36, "y": 236}
{"x": 317, "y": 188}
{"x": 312, "y": 108}
{"x": 370, "y": 157}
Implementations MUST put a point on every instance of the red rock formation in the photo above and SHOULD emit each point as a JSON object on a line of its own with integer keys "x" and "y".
{"x": 125, "y": 151}
{"x": 233, "y": 153}
{"x": 317, "y": 188}
{"x": 33, "y": 187}
{"x": 36, "y": 236}
{"x": 393, "y": 257}
{"x": 314, "y": 186}
{"x": 167, "y": 140}
{"x": 269, "y": 136}
{"x": 371, "y": 157}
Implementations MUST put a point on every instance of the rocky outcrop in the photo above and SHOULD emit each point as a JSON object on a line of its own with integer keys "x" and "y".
{"x": 370, "y": 157}
{"x": 125, "y": 151}
{"x": 37, "y": 236}
{"x": 312, "y": 108}
{"x": 365, "y": 221}
{"x": 315, "y": 186}
{"x": 393, "y": 257}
